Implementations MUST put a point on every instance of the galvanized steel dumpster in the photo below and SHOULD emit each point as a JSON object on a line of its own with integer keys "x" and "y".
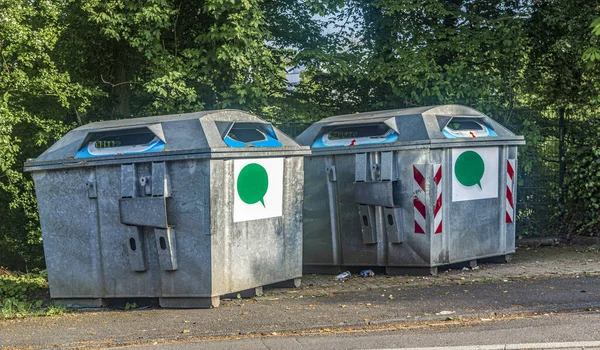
{"x": 184, "y": 207}
{"x": 408, "y": 189}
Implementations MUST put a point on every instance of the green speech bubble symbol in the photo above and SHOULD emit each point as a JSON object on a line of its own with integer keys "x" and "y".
{"x": 252, "y": 184}
{"x": 469, "y": 169}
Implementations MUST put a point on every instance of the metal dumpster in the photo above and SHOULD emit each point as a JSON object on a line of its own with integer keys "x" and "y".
{"x": 184, "y": 208}
{"x": 408, "y": 189}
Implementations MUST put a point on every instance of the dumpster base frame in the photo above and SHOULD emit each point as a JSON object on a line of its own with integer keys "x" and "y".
{"x": 291, "y": 283}
{"x": 322, "y": 269}
{"x": 189, "y": 303}
{"x": 500, "y": 259}
{"x": 390, "y": 270}
{"x": 80, "y": 302}
{"x": 245, "y": 294}
{"x": 411, "y": 270}
{"x": 179, "y": 302}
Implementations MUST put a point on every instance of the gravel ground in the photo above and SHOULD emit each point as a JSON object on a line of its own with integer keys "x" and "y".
{"x": 527, "y": 262}
{"x": 540, "y": 279}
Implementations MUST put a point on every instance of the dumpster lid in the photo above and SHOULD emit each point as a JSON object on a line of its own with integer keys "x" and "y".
{"x": 444, "y": 124}
{"x": 207, "y": 134}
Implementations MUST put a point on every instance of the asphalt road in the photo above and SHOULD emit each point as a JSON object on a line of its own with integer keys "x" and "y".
{"x": 549, "y": 331}
{"x": 343, "y": 311}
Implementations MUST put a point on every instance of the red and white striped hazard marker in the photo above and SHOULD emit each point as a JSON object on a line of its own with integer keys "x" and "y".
{"x": 419, "y": 198}
{"x": 510, "y": 185}
{"x": 437, "y": 211}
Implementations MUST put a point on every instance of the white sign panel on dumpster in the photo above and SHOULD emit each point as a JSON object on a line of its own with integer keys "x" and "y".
{"x": 474, "y": 173}
{"x": 258, "y": 189}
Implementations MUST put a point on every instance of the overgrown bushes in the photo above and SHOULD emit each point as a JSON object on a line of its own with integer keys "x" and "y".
{"x": 24, "y": 295}
{"x": 583, "y": 181}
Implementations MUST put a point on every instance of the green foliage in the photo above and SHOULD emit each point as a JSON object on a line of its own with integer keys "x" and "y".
{"x": 65, "y": 62}
{"x": 131, "y": 306}
{"x": 22, "y": 295}
{"x": 583, "y": 174}
{"x": 592, "y": 53}
{"x": 176, "y": 56}
{"x": 34, "y": 98}
{"x": 22, "y": 287}
{"x": 555, "y": 73}
{"x": 13, "y": 308}
{"x": 538, "y": 209}
{"x": 410, "y": 53}
{"x": 508, "y": 56}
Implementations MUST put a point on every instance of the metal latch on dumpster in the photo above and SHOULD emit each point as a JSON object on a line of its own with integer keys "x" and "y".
{"x": 382, "y": 193}
{"x": 147, "y": 212}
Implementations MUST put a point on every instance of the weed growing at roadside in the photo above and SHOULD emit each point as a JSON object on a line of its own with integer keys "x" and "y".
{"x": 22, "y": 287}
{"x": 131, "y": 306}
{"x": 22, "y": 295}
{"x": 13, "y": 308}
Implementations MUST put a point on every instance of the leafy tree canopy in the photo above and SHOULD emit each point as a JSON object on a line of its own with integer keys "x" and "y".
{"x": 64, "y": 63}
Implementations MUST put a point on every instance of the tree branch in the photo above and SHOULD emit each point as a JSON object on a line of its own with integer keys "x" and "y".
{"x": 175, "y": 29}
{"x": 4, "y": 60}
{"x": 117, "y": 84}
{"x": 78, "y": 117}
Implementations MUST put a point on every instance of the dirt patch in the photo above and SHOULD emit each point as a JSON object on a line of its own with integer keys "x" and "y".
{"x": 5, "y": 271}
{"x": 539, "y": 262}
